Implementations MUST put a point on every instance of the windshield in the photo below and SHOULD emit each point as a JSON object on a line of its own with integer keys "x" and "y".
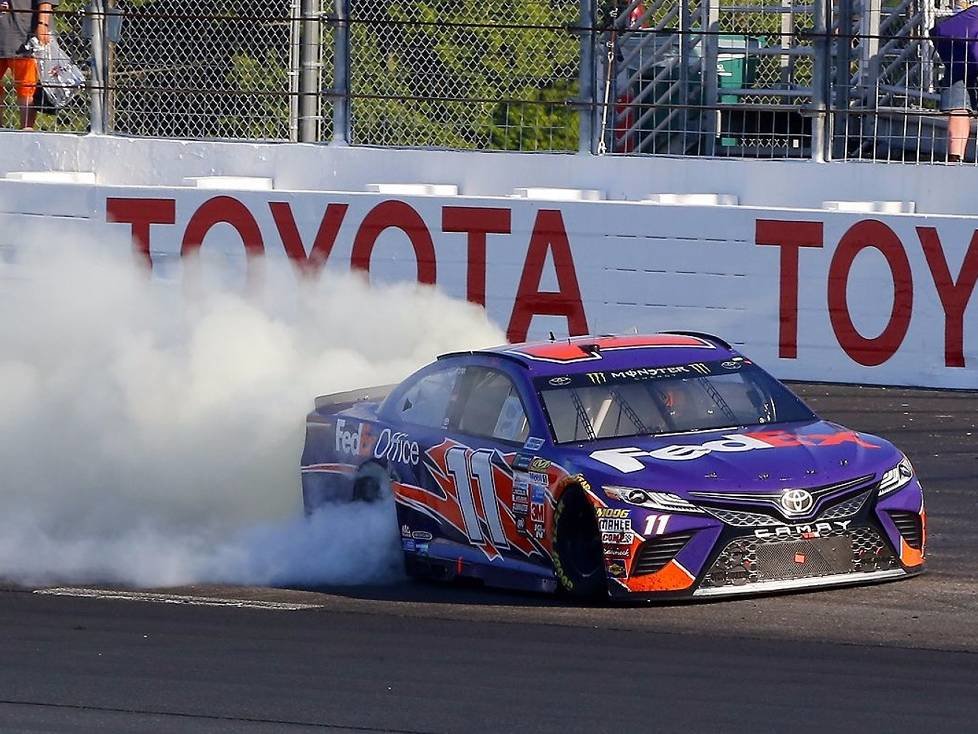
{"x": 643, "y": 401}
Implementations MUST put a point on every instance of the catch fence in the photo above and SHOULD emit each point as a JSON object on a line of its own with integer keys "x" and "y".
{"x": 850, "y": 79}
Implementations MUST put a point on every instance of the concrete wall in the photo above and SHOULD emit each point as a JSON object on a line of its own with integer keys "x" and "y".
{"x": 855, "y": 292}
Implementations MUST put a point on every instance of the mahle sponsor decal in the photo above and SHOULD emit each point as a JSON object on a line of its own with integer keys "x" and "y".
{"x": 626, "y": 460}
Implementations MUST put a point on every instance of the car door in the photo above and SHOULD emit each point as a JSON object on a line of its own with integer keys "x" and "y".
{"x": 502, "y": 511}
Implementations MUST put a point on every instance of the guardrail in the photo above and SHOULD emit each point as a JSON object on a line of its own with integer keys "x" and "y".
{"x": 854, "y": 79}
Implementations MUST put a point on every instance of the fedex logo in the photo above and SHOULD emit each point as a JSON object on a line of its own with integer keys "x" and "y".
{"x": 626, "y": 460}
{"x": 350, "y": 438}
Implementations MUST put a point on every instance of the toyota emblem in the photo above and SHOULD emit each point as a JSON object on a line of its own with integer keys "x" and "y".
{"x": 796, "y": 501}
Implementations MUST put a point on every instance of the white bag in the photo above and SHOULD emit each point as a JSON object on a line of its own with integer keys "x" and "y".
{"x": 59, "y": 79}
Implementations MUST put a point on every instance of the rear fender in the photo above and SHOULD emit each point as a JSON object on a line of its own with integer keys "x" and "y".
{"x": 335, "y": 448}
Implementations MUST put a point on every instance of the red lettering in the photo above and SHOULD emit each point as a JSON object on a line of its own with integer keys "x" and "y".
{"x": 322, "y": 246}
{"x": 954, "y": 295}
{"x": 140, "y": 214}
{"x": 224, "y": 210}
{"x": 477, "y": 222}
{"x": 549, "y": 234}
{"x": 790, "y": 237}
{"x": 841, "y": 437}
{"x": 404, "y": 217}
{"x": 777, "y": 439}
{"x": 875, "y": 234}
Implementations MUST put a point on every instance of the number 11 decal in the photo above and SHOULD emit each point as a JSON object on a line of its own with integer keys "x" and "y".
{"x": 467, "y": 466}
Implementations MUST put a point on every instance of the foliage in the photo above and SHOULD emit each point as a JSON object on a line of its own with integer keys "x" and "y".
{"x": 445, "y": 73}
{"x": 464, "y": 73}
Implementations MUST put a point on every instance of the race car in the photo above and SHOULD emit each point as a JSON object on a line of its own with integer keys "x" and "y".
{"x": 637, "y": 467}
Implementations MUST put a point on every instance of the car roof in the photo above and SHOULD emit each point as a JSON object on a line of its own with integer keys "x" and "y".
{"x": 598, "y": 353}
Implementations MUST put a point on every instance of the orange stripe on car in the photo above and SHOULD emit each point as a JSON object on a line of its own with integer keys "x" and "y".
{"x": 911, "y": 556}
{"x": 672, "y": 577}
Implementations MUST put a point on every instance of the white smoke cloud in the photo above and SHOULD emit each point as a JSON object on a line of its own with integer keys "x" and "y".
{"x": 153, "y": 439}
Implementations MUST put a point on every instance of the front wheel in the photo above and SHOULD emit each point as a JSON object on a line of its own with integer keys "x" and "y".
{"x": 578, "y": 556}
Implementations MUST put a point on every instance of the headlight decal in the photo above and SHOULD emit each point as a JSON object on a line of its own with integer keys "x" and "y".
{"x": 650, "y": 499}
{"x": 896, "y": 478}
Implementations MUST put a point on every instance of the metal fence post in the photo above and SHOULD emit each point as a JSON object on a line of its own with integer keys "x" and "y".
{"x": 822, "y": 63}
{"x": 341, "y": 73}
{"x": 98, "y": 80}
{"x": 586, "y": 142}
{"x": 685, "y": 56}
{"x": 842, "y": 83}
{"x": 710, "y": 23}
{"x": 310, "y": 55}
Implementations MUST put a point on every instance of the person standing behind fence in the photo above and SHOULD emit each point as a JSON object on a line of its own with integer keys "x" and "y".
{"x": 956, "y": 42}
{"x": 20, "y": 20}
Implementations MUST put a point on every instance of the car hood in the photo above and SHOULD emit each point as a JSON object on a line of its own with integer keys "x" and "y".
{"x": 756, "y": 459}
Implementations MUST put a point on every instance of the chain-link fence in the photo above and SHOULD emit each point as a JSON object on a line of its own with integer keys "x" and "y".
{"x": 69, "y": 24}
{"x": 475, "y": 74}
{"x": 203, "y": 69}
{"x": 842, "y": 79}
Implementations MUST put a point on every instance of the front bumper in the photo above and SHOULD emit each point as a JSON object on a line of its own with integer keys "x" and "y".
{"x": 858, "y": 540}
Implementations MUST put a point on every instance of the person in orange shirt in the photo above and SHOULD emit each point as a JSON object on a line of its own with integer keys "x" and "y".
{"x": 20, "y": 20}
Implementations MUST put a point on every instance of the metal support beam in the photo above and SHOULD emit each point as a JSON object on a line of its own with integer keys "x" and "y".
{"x": 310, "y": 63}
{"x": 588, "y": 114}
{"x": 98, "y": 83}
{"x": 341, "y": 73}
{"x": 710, "y": 22}
{"x": 820, "y": 78}
{"x": 685, "y": 58}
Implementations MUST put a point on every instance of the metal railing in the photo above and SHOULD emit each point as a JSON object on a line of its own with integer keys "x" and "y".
{"x": 849, "y": 79}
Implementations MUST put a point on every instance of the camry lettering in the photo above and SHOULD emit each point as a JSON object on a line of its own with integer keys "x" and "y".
{"x": 815, "y": 530}
{"x": 627, "y": 460}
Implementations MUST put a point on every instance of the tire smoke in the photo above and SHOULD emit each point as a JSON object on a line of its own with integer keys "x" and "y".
{"x": 150, "y": 436}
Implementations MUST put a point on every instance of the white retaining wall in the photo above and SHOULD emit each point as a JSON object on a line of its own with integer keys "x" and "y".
{"x": 776, "y": 258}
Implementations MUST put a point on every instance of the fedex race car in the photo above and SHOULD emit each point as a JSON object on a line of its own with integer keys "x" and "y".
{"x": 632, "y": 466}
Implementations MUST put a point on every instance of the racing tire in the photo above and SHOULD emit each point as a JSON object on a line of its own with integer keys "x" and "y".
{"x": 371, "y": 484}
{"x": 577, "y": 552}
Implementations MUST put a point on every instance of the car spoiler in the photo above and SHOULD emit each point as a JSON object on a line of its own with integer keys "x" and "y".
{"x": 350, "y": 397}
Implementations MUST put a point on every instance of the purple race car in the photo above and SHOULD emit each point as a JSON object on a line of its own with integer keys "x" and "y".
{"x": 633, "y": 466}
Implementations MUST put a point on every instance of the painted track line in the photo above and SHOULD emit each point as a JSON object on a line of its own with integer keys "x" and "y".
{"x": 157, "y": 598}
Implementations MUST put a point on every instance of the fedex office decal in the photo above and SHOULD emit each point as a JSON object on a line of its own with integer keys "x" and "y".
{"x": 954, "y": 290}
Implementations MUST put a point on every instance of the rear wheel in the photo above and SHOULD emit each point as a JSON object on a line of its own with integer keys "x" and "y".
{"x": 372, "y": 484}
{"x": 578, "y": 555}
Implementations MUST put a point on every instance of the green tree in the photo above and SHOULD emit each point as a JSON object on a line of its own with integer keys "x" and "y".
{"x": 464, "y": 73}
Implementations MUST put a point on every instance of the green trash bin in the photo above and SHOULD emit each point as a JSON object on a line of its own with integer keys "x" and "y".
{"x": 736, "y": 69}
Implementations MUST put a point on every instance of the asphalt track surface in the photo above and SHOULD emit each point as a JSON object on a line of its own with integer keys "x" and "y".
{"x": 434, "y": 658}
